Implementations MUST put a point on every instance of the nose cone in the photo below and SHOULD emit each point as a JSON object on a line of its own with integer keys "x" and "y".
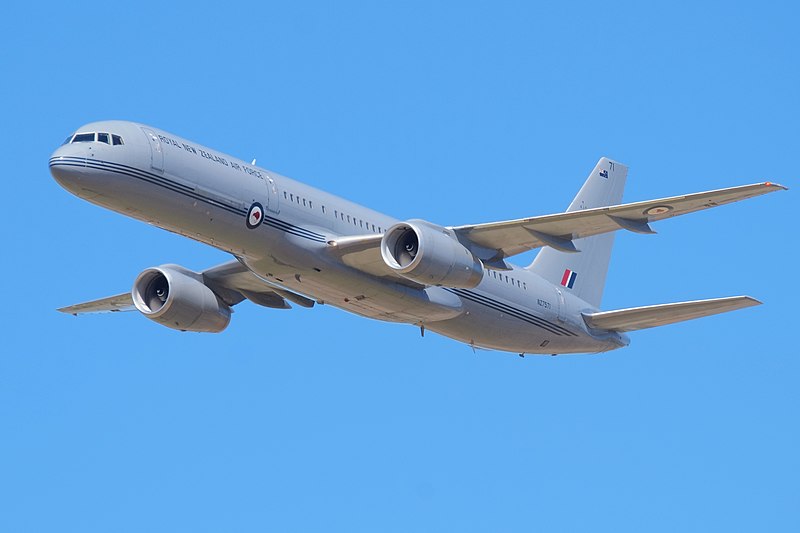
{"x": 66, "y": 166}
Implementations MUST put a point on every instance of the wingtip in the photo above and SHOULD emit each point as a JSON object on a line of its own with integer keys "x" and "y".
{"x": 752, "y": 301}
{"x": 774, "y": 185}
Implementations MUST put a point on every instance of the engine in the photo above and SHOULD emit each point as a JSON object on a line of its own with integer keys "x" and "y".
{"x": 430, "y": 255}
{"x": 177, "y": 298}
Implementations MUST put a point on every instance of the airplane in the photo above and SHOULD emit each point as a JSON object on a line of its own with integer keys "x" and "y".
{"x": 295, "y": 244}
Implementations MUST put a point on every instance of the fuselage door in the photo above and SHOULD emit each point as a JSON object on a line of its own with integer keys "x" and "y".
{"x": 156, "y": 150}
{"x": 273, "y": 201}
{"x": 560, "y": 304}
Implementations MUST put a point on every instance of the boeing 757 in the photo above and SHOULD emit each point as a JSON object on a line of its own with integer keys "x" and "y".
{"x": 294, "y": 244}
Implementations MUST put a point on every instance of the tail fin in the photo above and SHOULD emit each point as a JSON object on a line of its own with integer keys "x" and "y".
{"x": 584, "y": 273}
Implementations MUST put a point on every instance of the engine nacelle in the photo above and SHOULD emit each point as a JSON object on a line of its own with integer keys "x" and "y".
{"x": 177, "y": 298}
{"x": 430, "y": 255}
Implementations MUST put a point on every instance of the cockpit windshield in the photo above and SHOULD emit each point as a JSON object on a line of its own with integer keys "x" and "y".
{"x": 102, "y": 137}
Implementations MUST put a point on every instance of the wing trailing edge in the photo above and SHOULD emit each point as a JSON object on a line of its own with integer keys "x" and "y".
{"x": 650, "y": 316}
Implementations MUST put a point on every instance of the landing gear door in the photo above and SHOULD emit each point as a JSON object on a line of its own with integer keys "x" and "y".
{"x": 273, "y": 201}
{"x": 156, "y": 150}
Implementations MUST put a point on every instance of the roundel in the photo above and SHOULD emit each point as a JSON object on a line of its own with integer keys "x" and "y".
{"x": 255, "y": 215}
{"x": 658, "y": 210}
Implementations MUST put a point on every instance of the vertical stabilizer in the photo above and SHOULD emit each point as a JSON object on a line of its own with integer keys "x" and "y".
{"x": 584, "y": 273}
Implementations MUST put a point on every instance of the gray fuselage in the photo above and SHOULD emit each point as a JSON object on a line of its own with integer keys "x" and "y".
{"x": 205, "y": 195}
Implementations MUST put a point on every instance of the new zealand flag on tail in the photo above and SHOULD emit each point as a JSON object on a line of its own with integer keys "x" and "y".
{"x": 568, "y": 280}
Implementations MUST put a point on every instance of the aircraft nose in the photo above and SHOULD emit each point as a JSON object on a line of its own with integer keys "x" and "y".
{"x": 66, "y": 166}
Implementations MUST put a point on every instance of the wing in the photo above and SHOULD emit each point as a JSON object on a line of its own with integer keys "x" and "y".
{"x": 659, "y": 315}
{"x": 495, "y": 241}
{"x": 120, "y": 302}
{"x": 232, "y": 282}
{"x": 558, "y": 231}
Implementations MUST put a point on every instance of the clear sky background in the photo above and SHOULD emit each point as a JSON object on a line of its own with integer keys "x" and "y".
{"x": 316, "y": 420}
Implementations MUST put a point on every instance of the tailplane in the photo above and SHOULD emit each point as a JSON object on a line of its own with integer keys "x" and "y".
{"x": 659, "y": 315}
{"x": 584, "y": 273}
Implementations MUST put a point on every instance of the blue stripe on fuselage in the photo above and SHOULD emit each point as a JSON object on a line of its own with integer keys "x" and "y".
{"x": 174, "y": 186}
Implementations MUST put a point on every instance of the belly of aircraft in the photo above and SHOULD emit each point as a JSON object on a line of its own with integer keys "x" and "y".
{"x": 276, "y": 256}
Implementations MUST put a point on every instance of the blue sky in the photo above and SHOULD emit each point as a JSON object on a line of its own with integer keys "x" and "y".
{"x": 309, "y": 420}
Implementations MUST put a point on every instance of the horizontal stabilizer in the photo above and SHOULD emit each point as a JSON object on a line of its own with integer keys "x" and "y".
{"x": 659, "y": 315}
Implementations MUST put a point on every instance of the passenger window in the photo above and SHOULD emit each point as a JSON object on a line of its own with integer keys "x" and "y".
{"x": 323, "y": 209}
{"x": 373, "y": 227}
{"x": 83, "y": 138}
{"x": 348, "y": 219}
{"x": 291, "y": 196}
{"x": 103, "y": 138}
{"x": 309, "y": 205}
{"x": 116, "y": 140}
{"x": 361, "y": 222}
{"x": 304, "y": 202}
{"x": 285, "y": 195}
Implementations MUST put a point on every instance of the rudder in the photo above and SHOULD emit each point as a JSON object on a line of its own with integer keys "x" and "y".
{"x": 584, "y": 273}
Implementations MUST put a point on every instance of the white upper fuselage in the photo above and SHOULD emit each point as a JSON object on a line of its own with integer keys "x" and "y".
{"x": 206, "y": 195}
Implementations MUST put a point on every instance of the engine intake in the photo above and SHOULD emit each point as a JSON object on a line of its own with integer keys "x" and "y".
{"x": 177, "y": 298}
{"x": 430, "y": 255}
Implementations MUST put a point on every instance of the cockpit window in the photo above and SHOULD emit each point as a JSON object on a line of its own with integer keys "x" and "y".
{"x": 83, "y": 138}
{"x": 108, "y": 138}
{"x": 67, "y": 140}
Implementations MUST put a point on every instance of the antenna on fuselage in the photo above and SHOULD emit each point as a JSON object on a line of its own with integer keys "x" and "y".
{"x": 253, "y": 162}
